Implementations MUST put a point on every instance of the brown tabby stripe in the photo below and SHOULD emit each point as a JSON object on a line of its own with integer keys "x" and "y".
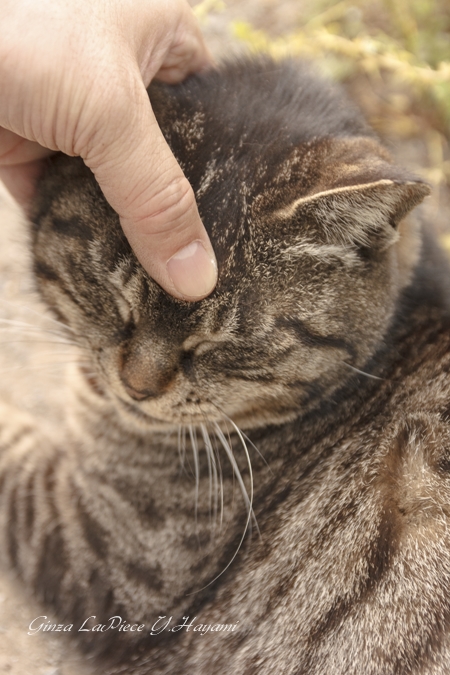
{"x": 29, "y": 505}
{"x": 150, "y": 576}
{"x": 311, "y": 339}
{"x": 143, "y": 504}
{"x": 94, "y": 534}
{"x": 380, "y": 558}
{"x": 49, "y": 484}
{"x": 102, "y": 595}
{"x": 45, "y": 272}
{"x": 49, "y": 576}
{"x": 74, "y": 226}
{"x": 64, "y": 290}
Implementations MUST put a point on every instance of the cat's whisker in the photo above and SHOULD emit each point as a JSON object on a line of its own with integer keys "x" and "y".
{"x": 362, "y": 372}
{"x": 244, "y": 439}
{"x": 204, "y": 434}
{"x": 181, "y": 445}
{"x": 186, "y": 465}
{"x": 59, "y": 361}
{"x": 42, "y": 315}
{"x": 220, "y": 476}
{"x": 60, "y": 357}
{"x": 27, "y": 334}
{"x": 184, "y": 447}
{"x": 248, "y": 440}
{"x": 230, "y": 454}
{"x": 63, "y": 357}
{"x": 14, "y": 341}
{"x": 16, "y": 323}
{"x": 30, "y": 330}
{"x": 247, "y": 499}
{"x": 247, "y": 455}
{"x": 213, "y": 475}
{"x": 194, "y": 445}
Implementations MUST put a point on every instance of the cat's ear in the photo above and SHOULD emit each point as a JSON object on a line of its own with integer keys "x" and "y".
{"x": 359, "y": 200}
{"x": 364, "y": 215}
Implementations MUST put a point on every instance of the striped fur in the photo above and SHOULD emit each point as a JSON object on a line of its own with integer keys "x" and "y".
{"x": 273, "y": 458}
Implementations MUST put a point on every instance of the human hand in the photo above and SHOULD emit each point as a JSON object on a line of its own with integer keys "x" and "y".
{"x": 73, "y": 78}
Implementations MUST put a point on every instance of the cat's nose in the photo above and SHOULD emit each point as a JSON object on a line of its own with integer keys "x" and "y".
{"x": 136, "y": 394}
{"x": 140, "y": 384}
{"x": 145, "y": 377}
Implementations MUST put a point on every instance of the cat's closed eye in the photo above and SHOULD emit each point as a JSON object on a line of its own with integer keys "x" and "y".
{"x": 200, "y": 344}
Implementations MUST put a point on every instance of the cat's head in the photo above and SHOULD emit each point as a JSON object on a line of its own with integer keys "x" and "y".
{"x": 306, "y": 213}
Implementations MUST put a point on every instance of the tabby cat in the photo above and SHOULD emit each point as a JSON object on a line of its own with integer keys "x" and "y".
{"x": 258, "y": 482}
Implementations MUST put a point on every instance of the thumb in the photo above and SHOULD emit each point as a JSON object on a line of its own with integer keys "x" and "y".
{"x": 143, "y": 182}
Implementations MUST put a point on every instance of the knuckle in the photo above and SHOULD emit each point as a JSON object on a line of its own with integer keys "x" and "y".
{"x": 170, "y": 205}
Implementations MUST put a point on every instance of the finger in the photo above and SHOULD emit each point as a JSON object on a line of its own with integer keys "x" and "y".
{"x": 188, "y": 54}
{"x": 178, "y": 47}
{"x": 21, "y": 179}
{"x": 142, "y": 181}
{"x": 17, "y": 150}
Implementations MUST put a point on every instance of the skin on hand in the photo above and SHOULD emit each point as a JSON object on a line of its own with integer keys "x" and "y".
{"x": 73, "y": 77}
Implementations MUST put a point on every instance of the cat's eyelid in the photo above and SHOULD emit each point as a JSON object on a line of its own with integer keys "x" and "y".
{"x": 202, "y": 343}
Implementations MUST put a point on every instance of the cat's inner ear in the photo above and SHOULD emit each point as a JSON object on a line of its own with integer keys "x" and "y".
{"x": 366, "y": 199}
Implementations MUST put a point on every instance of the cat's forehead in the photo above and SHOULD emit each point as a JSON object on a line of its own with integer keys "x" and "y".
{"x": 191, "y": 128}
{"x": 219, "y": 315}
